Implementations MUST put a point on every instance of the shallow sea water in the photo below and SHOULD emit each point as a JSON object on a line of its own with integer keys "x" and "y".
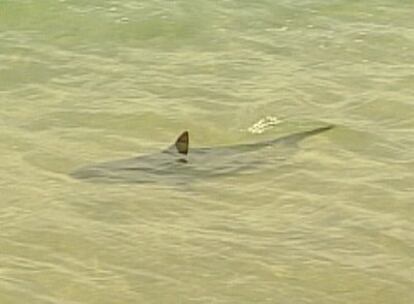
{"x": 84, "y": 82}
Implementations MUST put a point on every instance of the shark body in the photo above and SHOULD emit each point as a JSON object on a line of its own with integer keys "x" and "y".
{"x": 178, "y": 163}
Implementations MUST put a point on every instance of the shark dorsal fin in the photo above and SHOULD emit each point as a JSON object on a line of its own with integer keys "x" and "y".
{"x": 182, "y": 143}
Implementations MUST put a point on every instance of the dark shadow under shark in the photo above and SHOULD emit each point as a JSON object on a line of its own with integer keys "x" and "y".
{"x": 177, "y": 164}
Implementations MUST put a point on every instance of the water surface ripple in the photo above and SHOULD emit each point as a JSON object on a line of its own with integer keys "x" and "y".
{"x": 85, "y": 82}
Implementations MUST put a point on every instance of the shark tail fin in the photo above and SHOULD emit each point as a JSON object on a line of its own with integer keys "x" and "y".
{"x": 317, "y": 131}
{"x": 295, "y": 138}
{"x": 182, "y": 143}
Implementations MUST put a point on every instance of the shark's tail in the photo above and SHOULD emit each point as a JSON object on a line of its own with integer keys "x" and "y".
{"x": 297, "y": 137}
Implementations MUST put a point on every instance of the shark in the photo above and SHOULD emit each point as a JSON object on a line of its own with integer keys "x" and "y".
{"x": 178, "y": 163}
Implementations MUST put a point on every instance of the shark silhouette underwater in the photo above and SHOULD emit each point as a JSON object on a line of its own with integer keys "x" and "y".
{"x": 178, "y": 164}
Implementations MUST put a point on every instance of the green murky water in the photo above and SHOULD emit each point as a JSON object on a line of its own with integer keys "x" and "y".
{"x": 88, "y": 81}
